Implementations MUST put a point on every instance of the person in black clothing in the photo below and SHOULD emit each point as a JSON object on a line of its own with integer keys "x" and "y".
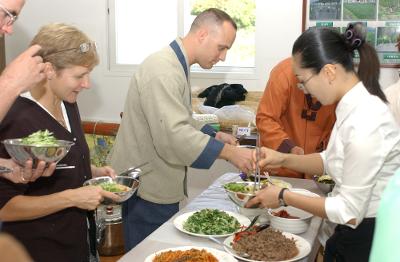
{"x": 50, "y": 216}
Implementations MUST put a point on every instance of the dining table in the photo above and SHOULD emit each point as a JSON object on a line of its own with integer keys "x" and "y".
{"x": 168, "y": 236}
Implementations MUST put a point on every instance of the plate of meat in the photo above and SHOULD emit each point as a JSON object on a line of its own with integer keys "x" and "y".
{"x": 268, "y": 245}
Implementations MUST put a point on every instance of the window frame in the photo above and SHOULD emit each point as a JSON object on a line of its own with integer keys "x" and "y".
{"x": 232, "y": 72}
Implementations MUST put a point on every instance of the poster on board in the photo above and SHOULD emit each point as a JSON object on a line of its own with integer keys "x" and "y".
{"x": 381, "y": 17}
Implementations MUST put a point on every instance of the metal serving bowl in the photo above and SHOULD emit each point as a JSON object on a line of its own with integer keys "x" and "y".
{"x": 130, "y": 182}
{"x": 324, "y": 187}
{"x": 22, "y": 153}
{"x": 240, "y": 198}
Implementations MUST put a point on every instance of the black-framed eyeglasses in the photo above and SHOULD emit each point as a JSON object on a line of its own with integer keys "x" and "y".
{"x": 302, "y": 85}
{"x": 82, "y": 48}
{"x": 10, "y": 18}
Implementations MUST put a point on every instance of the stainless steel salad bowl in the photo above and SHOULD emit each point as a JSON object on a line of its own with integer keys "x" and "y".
{"x": 21, "y": 152}
{"x": 326, "y": 186}
{"x": 130, "y": 183}
{"x": 240, "y": 192}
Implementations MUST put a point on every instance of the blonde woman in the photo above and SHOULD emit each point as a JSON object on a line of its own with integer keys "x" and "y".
{"x": 50, "y": 216}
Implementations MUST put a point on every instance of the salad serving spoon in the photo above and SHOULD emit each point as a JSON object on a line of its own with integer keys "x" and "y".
{"x": 241, "y": 254}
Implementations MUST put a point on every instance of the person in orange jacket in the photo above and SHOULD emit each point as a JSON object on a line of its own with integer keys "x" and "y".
{"x": 290, "y": 120}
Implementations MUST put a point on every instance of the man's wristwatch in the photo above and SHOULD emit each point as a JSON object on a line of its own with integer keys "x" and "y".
{"x": 280, "y": 197}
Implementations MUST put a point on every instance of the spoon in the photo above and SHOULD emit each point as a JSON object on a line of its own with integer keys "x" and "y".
{"x": 241, "y": 254}
{"x": 252, "y": 223}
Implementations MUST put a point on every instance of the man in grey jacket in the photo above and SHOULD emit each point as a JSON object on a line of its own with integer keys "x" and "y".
{"x": 157, "y": 125}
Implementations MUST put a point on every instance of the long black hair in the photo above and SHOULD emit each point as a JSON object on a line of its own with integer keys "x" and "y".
{"x": 320, "y": 46}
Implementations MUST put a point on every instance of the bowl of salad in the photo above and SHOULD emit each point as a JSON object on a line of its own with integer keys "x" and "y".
{"x": 325, "y": 183}
{"x": 123, "y": 186}
{"x": 41, "y": 145}
{"x": 240, "y": 192}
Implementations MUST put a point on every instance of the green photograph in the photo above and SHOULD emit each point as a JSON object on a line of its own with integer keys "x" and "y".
{"x": 359, "y": 9}
{"x": 335, "y": 28}
{"x": 389, "y": 10}
{"x": 325, "y": 9}
{"x": 386, "y": 39}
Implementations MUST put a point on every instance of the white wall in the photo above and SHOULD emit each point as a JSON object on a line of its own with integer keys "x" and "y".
{"x": 280, "y": 22}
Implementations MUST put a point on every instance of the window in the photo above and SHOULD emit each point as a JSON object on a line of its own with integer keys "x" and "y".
{"x": 142, "y": 27}
{"x": 139, "y": 28}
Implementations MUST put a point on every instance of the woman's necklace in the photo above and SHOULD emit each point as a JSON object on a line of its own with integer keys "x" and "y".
{"x": 58, "y": 115}
{"x": 61, "y": 121}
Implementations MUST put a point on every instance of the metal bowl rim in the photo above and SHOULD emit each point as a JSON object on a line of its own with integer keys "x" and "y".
{"x": 65, "y": 143}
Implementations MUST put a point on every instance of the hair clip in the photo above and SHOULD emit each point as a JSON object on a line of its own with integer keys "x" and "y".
{"x": 353, "y": 36}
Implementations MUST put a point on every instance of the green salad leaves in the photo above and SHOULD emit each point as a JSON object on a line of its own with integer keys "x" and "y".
{"x": 239, "y": 187}
{"x": 114, "y": 187}
{"x": 40, "y": 138}
{"x": 211, "y": 222}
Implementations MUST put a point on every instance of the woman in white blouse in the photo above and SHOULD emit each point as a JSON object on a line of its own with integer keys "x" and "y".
{"x": 364, "y": 149}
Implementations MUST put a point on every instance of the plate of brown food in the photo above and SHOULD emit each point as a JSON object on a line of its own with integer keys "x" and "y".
{"x": 268, "y": 245}
{"x": 184, "y": 253}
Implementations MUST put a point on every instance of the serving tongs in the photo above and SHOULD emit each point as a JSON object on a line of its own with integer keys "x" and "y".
{"x": 134, "y": 171}
{"x": 241, "y": 254}
{"x": 257, "y": 178}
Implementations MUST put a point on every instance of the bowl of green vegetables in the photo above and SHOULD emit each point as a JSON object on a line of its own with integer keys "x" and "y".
{"x": 240, "y": 192}
{"x": 41, "y": 145}
{"x": 123, "y": 186}
{"x": 325, "y": 183}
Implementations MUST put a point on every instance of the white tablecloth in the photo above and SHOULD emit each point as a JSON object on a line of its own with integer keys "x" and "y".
{"x": 168, "y": 236}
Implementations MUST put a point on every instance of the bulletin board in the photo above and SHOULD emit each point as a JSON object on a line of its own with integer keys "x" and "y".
{"x": 382, "y": 18}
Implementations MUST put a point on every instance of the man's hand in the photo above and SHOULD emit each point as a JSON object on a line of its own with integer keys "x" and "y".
{"x": 239, "y": 157}
{"x": 25, "y": 71}
{"x": 226, "y": 138}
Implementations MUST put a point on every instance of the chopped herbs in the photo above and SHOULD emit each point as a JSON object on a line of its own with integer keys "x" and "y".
{"x": 239, "y": 187}
{"x": 211, "y": 222}
{"x": 326, "y": 179}
{"x": 40, "y": 138}
{"x": 114, "y": 187}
